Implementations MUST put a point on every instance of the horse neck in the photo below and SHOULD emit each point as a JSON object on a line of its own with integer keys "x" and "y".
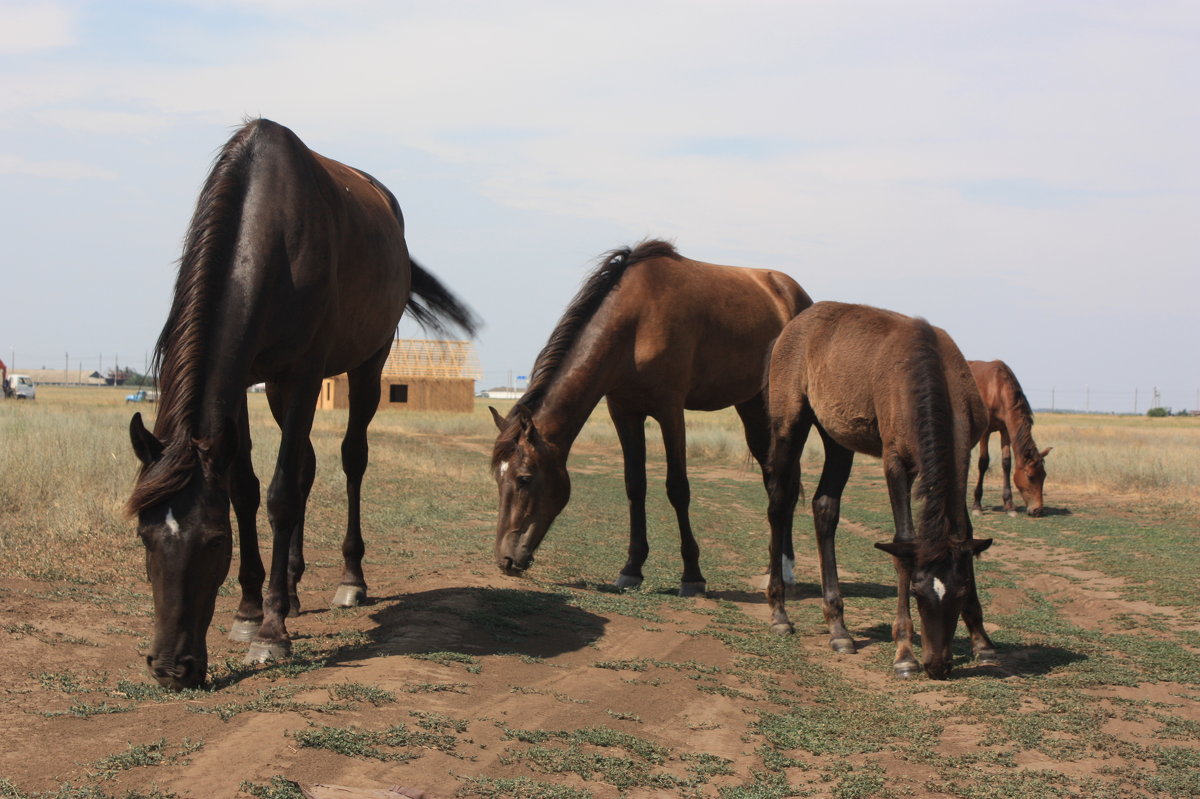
{"x": 1020, "y": 429}
{"x": 944, "y": 441}
{"x": 206, "y": 392}
{"x": 576, "y": 390}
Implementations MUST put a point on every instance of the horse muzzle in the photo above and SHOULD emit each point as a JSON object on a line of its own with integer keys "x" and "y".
{"x": 176, "y": 674}
{"x": 515, "y": 568}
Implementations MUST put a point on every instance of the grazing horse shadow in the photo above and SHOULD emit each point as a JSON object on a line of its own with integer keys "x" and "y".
{"x": 482, "y": 621}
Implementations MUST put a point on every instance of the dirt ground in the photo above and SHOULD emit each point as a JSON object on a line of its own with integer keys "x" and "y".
{"x": 461, "y": 656}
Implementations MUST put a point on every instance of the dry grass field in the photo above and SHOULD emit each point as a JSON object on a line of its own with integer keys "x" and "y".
{"x": 463, "y": 682}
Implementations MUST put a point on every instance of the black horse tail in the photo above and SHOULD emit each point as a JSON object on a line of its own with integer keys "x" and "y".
{"x": 435, "y": 308}
{"x": 935, "y": 434}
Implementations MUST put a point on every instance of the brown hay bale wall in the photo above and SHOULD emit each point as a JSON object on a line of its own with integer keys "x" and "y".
{"x": 406, "y": 393}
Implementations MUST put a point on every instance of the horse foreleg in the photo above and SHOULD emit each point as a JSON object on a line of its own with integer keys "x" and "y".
{"x": 1006, "y": 468}
{"x": 679, "y": 493}
{"x": 285, "y": 508}
{"x": 758, "y": 437}
{"x": 984, "y": 461}
{"x": 826, "y": 507}
{"x": 364, "y": 401}
{"x": 245, "y": 497}
{"x": 899, "y": 483}
{"x": 972, "y": 616}
{"x": 631, "y": 431}
{"x": 296, "y": 566}
{"x": 783, "y": 489}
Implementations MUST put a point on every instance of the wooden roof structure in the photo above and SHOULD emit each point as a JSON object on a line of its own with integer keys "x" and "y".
{"x": 425, "y": 358}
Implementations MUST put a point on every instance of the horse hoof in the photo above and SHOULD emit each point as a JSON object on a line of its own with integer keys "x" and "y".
{"x": 244, "y": 630}
{"x": 783, "y": 628}
{"x": 349, "y": 596}
{"x": 906, "y": 668}
{"x": 266, "y": 651}
{"x": 987, "y": 657}
{"x": 1011, "y": 513}
{"x": 976, "y": 511}
{"x": 293, "y": 606}
{"x": 626, "y": 583}
{"x": 693, "y": 589}
{"x": 843, "y": 646}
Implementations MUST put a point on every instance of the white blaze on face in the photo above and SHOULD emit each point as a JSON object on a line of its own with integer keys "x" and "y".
{"x": 503, "y": 468}
{"x": 172, "y": 525}
{"x": 939, "y": 588}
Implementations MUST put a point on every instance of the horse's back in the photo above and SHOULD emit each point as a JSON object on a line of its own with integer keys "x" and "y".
{"x": 701, "y": 331}
{"x": 322, "y": 252}
{"x": 847, "y": 363}
{"x": 970, "y": 406}
{"x": 991, "y": 383}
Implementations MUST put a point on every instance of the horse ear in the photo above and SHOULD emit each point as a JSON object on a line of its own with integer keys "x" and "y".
{"x": 145, "y": 445}
{"x": 1046, "y": 451}
{"x": 978, "y": 545}
{"x": 497, "y": 418}
{"x": 905, "y": 550}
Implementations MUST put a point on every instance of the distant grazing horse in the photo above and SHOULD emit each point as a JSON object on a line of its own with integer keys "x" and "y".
{"x": 294, "y": 268}
{"x": 894, "y": 387}
{"x": 1009, "y": 413}
{"x": 656, "y": 333}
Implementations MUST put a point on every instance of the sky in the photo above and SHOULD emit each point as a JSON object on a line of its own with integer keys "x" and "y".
{"x": 1025, "y": 175}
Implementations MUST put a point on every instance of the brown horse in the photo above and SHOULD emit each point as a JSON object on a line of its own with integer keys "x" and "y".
{"x": 891, "y": 386}
{"x": 1010, "y": 415}
{"x": 294, "y": 268}
{"x": 656, "y": 333}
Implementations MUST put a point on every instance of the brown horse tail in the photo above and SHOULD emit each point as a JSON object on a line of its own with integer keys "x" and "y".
{"x": 435, "y": 308}
{"x": 935, "y": 437}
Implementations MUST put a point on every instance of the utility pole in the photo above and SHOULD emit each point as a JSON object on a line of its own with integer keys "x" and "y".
{"x": 1087, "y": 398}
{"x": 1052, "y": 406}
{"x": 1135, "y": 400}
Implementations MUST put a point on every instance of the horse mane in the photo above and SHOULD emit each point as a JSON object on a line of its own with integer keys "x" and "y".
{"x": 1022, "y": 435}
{"x": 180, "y": 351}
{"x": 596, "y": 287}
{"x": 935, "y": 443}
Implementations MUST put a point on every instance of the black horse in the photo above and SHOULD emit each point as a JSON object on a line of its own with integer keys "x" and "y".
{"x": 294, "y": 269}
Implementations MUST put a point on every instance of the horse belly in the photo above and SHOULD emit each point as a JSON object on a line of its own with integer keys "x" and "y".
{"x": 852, "y": 425}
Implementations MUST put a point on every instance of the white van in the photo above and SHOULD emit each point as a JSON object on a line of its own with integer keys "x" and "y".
{"x": 21, "y": 387}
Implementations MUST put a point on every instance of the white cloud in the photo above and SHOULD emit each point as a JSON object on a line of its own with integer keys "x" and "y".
{"x": 30, "y": 27}
{"x": 57, "y": 170}
{"x": 102, "y": 121}
{"x": 1048, "y": 148}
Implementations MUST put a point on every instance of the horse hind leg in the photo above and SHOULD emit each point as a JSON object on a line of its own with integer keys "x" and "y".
{"x": 631, "y": 432}
{"x": 364, "y": 387}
